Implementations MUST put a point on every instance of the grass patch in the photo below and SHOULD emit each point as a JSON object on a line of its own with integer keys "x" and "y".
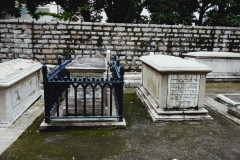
{"x": 222, "y": 85}
{"x": 142, "y": 139}
{"x": 133, "y": 109}
{"x": 74, "y": 143}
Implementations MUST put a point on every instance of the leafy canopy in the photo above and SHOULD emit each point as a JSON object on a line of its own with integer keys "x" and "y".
{"x": 200, "y": 12}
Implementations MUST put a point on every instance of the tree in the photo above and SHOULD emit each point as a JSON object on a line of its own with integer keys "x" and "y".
{"x": 224, "y": 13}
{"x": 219, "y": 12}
{"x": 11, "y": 7}
{"x": 210, "y": 12}
{"x": 121, "y": 11}
{"x": 203, "y": 7}
{"x": 172, "y": 11}
{"x": 117, "y": 11}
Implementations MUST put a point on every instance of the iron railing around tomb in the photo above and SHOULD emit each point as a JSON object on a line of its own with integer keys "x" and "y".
{"x": 67, "y": 97}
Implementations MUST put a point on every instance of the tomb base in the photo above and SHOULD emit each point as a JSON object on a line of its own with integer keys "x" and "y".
{"x": 89, "y": 108}
{"x": 83, "y": 123}
{"x": 160, "y": 114}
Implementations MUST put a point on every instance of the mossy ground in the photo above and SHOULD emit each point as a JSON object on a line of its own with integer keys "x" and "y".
{"x": 142, "y": 139}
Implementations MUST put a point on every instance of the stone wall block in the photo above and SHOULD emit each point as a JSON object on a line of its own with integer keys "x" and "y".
{"x": 54, "y": 41}
{"x": 47, "y": 36}
{"x": 202, "y": 31}
{"x": 119, "y": 29}
{"x": 38, "y": 46}
{"x": 137, "y": 29}
{"x": 146, "y": 29}
{"x": 42, "y": 41}
{"x": 86, "y": 27}
{"x": 106, "y": 28}
{"x": 27, "y": 40}
{"x": 134, "y": 38}
{"x": 97, "y": 28}
{"x": 61, "y": 26}
{"x": 22, "y": 45}
{"x": 139, "y": 34}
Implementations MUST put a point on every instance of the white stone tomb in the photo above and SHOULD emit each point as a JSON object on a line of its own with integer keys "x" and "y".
{"x": 225, "y": 65}
{"x": 19, "y": 88}
{"x": 87, "y": 67}
{"x": 173, "y": 88}
{"x": 94, "y": 67}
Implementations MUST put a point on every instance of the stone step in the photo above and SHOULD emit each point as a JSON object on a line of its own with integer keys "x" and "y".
{"x": 158, "y": 114}
{"x": 132, "y": 76}
{"x": 132, "y": 83}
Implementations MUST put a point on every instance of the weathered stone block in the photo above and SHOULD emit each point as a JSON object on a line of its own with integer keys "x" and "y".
{"x": 173, "y": 87}
{"x": 119, "y": 29}
{"x": 86, "y": 27}
{"x": 61, "y": 26}
{"x": 225, "y": 65}
{"x": 19, "y": 88}
{"x": 137, "y": 29}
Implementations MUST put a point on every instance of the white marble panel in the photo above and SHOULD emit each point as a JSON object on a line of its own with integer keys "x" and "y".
{"x": 183, "y": 91}
{"x": 150, "y": 80}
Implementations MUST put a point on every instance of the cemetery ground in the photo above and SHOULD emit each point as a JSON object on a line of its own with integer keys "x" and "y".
{"x": 141, "y": 139}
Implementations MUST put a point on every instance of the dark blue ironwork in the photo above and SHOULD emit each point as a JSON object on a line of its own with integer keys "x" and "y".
{"x": 58, "y": 82}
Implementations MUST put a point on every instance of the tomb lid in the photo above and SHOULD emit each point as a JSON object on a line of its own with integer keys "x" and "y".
{"x": 81, "y": 63}
{"x": 164, "y": 63}
{"x": 210, "y": 54}
{"x": 14, "y": 70}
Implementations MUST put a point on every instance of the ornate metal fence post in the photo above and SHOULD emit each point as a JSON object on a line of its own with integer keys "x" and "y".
{"x": 120, "y": 95}
{"x": 59, "y": 61}
{"x": 46, "y": 94}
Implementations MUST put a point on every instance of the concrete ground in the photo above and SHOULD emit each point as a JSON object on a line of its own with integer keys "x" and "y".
{"x": 11, "y": 134}
{"x": 142, "y": 139}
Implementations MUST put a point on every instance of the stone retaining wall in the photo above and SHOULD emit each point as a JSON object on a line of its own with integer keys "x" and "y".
{"x": 46, "y": 41}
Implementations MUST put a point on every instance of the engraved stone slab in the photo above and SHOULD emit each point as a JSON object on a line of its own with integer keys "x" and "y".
{"x": 19, "y": 88}
{"x": 183, "y": 91}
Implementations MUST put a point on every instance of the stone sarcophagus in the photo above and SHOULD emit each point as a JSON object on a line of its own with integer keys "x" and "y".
{"x": 173, "y": 88}
{"x": 19, "y": 88}
{"x": 94, "y": 67}
{"x": 225, "y": 65}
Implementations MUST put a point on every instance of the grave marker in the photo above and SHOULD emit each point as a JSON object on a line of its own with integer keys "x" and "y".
{"x": 19, "y": 88}
{"x": 225, "y": 65}
{"x": 173, "y": 88}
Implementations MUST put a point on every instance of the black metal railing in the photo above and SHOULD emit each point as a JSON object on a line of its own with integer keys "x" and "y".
{"x": 83, "y": 98}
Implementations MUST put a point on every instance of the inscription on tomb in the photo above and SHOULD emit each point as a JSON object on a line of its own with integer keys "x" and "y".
{"x": 183, "y": 91}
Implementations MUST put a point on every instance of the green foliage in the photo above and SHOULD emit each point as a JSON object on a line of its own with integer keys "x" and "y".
{"x": 172, "y": 12}
{"x": 121, "y": 11}
{"x": 224, "y": 13}
{"x": 10, "y": 7}
{"x": 66, "y": 16}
